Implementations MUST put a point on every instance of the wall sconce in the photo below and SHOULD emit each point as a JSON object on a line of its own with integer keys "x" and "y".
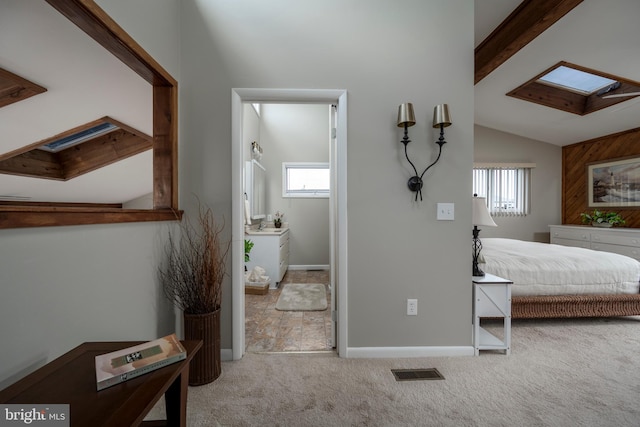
{"x": 256, "y": 150}
{"x": 406, "y": 119}
{"x": 481, "y": 216}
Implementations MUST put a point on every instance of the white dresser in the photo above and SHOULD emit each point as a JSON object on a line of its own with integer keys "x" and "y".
{"x": 271, "y": 252}
{"x": 624, "y": 241}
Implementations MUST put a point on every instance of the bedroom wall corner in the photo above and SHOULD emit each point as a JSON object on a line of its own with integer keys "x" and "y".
{"x": 491, "y": 145}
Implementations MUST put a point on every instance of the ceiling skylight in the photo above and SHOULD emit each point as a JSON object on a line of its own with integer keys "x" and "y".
{"x": 78, "y": 137}
{"x": 579, "y": 81}
{"x": 77, "y": 151}
{"x": 576, "y": 89}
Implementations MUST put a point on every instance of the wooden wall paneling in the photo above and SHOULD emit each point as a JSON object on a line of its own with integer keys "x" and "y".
{"x": 576, "y": 158}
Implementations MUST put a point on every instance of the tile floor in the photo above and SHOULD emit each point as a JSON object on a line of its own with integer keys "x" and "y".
{"x": 271, "y": 330}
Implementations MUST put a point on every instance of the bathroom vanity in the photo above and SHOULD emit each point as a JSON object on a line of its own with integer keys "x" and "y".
{"x": 270, "y": 251}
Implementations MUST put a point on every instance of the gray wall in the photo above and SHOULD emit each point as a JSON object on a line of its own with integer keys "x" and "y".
{"x": 546, "y": 182}
{"x": 250, "y": 130}
{"x": 62, "y": 286}
{"x": 397, "y": 248}
{"x": 297, "y": 133}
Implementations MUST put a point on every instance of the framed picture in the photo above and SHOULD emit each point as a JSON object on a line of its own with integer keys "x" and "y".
{"x": 614, "y": 183}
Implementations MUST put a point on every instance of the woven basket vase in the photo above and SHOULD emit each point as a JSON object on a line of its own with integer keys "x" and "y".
{"x": 205, "y": 366}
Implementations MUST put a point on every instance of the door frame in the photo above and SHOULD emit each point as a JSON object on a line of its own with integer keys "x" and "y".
{"x": 338, "y": 228}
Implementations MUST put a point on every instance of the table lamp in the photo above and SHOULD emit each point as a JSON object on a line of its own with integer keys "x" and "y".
{"x": 481, "y": 217}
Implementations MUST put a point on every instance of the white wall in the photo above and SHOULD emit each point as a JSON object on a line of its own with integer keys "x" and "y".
{"x": 297, "y": 133}
{"x": 546, "y": 182}
{"x": 397, "y": 248}
{"x": 62, "y": 286}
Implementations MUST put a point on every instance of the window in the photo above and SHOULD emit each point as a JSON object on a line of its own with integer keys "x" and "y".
{"x": 506, "y": 187}
{"x": 576, "y": 80}
{"x": 305, "y": 179}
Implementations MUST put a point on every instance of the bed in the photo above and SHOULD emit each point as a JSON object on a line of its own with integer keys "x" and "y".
{"x": 562, "y": 281}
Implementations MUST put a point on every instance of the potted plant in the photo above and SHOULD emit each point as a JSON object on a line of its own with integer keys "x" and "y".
{"x": 599, "y": 218}
{"x": 192, "y": 276}
{"x": 277, "y": 222}
{"x": 248, "y": 245}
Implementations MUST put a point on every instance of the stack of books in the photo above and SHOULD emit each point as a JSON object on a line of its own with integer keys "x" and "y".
{"x": 122, "y": 365}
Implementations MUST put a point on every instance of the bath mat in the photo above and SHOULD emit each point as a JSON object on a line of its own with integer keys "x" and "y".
{"x": 302, "y": 297}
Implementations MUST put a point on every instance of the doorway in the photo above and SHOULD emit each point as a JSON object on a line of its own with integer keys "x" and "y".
{"x": 338, "y": 223}
{"x": 293, "y": 145}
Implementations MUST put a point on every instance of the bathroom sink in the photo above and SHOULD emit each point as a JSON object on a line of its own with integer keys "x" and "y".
{"x": 268, "y": 231}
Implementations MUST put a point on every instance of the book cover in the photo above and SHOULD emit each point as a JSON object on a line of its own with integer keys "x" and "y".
{"x": 122, "y": 365}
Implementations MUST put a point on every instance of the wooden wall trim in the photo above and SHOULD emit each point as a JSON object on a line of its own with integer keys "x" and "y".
{"x": 20, "y": 217}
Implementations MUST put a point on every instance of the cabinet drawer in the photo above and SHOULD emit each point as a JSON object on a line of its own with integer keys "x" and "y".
{"x": 284, "y": 238}
{"x": 629, "y": 251}
{"x": 568, "y": 242}
{"x": 283, "y": 269}
{"x": 572, "y": 234}
{"x": 284, "y": 251}
{"x": 615, "y": 239}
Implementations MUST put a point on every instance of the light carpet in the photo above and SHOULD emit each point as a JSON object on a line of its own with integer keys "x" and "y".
{"x": 302, "y": 297}
{"x": 560, "y": 373}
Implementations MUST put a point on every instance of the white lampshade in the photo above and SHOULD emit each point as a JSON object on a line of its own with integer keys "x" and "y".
{"x": 481, "y": 214}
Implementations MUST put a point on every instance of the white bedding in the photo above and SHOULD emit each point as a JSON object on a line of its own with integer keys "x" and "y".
{"x": 546, "y": 269}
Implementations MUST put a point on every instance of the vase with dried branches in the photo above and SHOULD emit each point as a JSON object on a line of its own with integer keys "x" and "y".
{"x": 192, "y": 277}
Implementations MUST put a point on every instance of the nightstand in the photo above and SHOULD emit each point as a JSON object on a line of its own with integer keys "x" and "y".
{"x": 491, "y": 298}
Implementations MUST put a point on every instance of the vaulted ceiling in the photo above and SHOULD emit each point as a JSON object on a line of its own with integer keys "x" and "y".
{"x": 594, "y": 34}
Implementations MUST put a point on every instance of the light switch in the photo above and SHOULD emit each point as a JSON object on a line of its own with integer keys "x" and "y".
{"x": 446, "y": 211}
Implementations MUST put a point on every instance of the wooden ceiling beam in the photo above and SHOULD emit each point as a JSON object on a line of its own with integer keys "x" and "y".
{"x": 87, "y": 15}
{"x": 14, "y": 88}
{"x": 530, "y": 19}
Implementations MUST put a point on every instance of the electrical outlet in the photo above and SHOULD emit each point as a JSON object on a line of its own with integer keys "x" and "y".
{"x": 412, "y": 307}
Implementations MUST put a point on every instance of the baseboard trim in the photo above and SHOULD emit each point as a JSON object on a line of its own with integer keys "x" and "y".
{"x": 226, "y": 354}
{"x": 309, "y": 267}
{"x": 393, "y": 352}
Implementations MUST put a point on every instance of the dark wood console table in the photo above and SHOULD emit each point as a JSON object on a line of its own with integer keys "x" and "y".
{"x": 71, "y": 379}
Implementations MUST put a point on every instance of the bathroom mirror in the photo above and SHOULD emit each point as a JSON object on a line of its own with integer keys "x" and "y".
{"x": 255, "y": 188}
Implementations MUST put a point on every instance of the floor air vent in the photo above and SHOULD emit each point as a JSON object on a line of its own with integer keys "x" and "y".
{"x": 417, "y": 374}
